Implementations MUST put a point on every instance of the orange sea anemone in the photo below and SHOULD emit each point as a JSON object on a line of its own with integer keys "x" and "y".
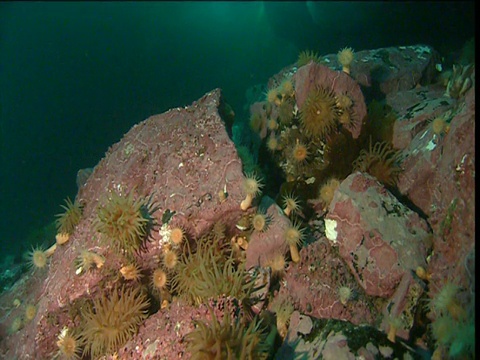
{"x": 380, "y": 161}
{"x": 319, "y": 113}
{"x": 177, "y": 235}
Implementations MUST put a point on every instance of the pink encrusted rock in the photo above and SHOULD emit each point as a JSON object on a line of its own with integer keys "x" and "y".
{"x": 313, "y": 285}
{"x": 439, "y": 178}
{"x": 312, "y": 75}
{"x": 415, "y": 109}
{"x": 182, "y": 159}
{"x": 377, "y": 236}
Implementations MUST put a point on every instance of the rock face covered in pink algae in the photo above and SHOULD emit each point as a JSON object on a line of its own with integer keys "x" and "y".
{"x": 182, "y": 159}
{"x": 378, "y": 237}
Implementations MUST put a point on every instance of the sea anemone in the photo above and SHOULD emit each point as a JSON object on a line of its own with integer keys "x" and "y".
{"x": 257, "y": 122}
{"x": 251, "y": 187}
{"x": 285, "y": 112}
{"x": 380, "y": 161}
{"x": 260, "y": 222}
{"x": 209, "y": 272}
{"x": 306, "y": 57}
{"x": 345, "y": 58}
{"x": 439, "y": 126}
{"x": 159, "y": 279}
{"x": 229, "y": 339}
{"x": 131, "y": 272}
{"x": 294, "y": 237}
{"x": 37, "y": 258}
{"x": 30, "y": 312}
{"x": 177, "y": 235}
{"x": 273, "y": 96}
{"x": 291, "y": 204}
{"x": 69, "y": 345}
{"x": 276, "y": 262}
{"x": 62, "y": 238}
{"x": 125, "y": 222}
{"x": 112, "y": 320}
{"x": 319, "y": 113}
{"x": 299, "y": 152}
{"x": 67, "y": 221}
{"x": 327, "y": 190}
{"x": 272, "y": 143}
{"x": 170, "y": 259}
{"x": 87, "y": 260}
{"x": 445, "y": 301}
{"x": 283, "y": 308}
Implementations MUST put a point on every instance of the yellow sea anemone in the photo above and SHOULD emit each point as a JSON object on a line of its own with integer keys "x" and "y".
{"x": 276, "y": 263}
{"x": 272, "y": 143}
{"x": 439, "y": 126}
{"x": 159, "y": 279}
{"x": 306, "y": 57}
{"x": 251, "y": 187}
{"x": 131, "y": 272}
{"x": 291, "y": 204}
{"x": 112, "y": 320}
{"x": 67, "y": 221}
{"x": 319, "y": 113}
{"x": 285, "y": 112}
{"x": 294, "y": 237}
{"x": 30, "y": 312}
{"x": 345, "y": 58}
{"x": 260, "y": 222}
{"x": 228, "y": 339}
{"x": 446, "y": 302}
{"x": 37, "y": 258}
{"x": 124, "y": 222}
{"x": 299, "y": 152}
{"x": 87, "y": 260}
{"x": 283, "y": 308}
{"x": 69, "y": 345}
{"x": 328, "y": 190}
{"x": 170, "y": 259}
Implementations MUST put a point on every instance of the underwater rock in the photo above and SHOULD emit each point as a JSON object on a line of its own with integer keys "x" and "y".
{"x": 181, "y": 160}
{"x": 439, "y": 178}
{"x": 391, "y": 69}
{"x": 316, "y": 284}
{"x": 377, "y": 236}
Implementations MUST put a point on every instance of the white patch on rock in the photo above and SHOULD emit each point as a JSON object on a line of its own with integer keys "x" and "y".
{"x": 331, "y": 230}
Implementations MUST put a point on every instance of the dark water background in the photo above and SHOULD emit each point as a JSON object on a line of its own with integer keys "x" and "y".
{"x": 74, "y": 77}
